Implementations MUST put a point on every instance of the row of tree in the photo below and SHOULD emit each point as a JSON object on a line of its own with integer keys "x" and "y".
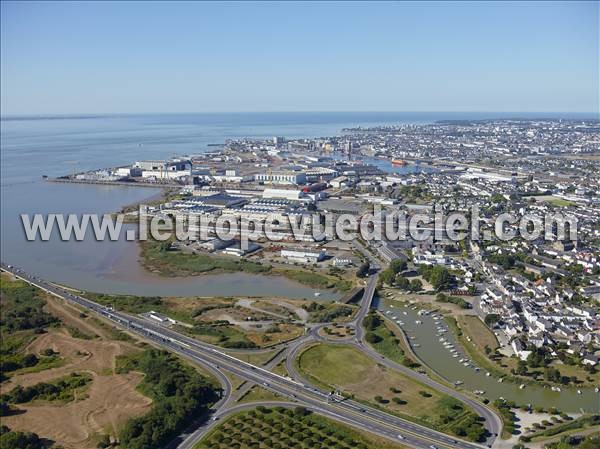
{"x": 10, "y": 439}
{"x": 61, "y": 389}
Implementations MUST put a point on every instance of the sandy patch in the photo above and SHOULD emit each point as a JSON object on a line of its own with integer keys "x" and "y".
{"x": 81, "y": 355}
{"x": 111, "y": 401}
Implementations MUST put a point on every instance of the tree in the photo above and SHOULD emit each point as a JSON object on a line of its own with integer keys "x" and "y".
{"x": 301, "y": 411}
{"x": 552, "y": 375}
{"x": 491, "y": 319}
{"x": 416, "y": 285}
{"x": 521, "y": 369}
{"x": 498, "y": 198}
{"x": 387, "y": 276}
{"x": 104, "y": 442}
{"x": 439, "y": 277}
{"x": 372, "y": 321}
{"x": 363, "y": 270}
{"x": 4, "y": 409}
{"x": 372, "y": 338}
{"x": 537, "y": 358}
{"x": 398, "y": 265}
{"x": 402, "y": 283}
{"x": 20, "y": 440}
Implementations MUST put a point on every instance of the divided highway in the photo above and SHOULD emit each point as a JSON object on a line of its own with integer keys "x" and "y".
{"x": 348, "y": 412}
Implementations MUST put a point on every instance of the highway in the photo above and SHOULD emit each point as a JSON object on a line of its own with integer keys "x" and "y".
{"x": 348, "y": 412}
{"x": 365, "y": 307}
{"x": 493, "y": 423}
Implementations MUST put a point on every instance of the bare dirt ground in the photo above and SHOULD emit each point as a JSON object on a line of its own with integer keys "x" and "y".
{"x": 263, "y": 307}
{"x": 299, "y": 311}
{"x": 191, "y": 304}
{"x": 525, "y": 420}
{"x": 111, "y": 399}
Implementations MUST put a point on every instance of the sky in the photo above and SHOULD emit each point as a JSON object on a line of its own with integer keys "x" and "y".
{"x": 136, "y": 57}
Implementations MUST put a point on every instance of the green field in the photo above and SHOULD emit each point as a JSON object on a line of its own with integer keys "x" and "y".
{"x": 477, "y": 330}
{"x": 281, "y": 428}
{"x": 348, "y": 370}
{"x": 155, "y": 257}
{"x": 385, "y": 341}
{"x": 257, "y": 393}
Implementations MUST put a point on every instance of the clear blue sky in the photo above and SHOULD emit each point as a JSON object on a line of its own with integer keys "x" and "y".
{"x": 181, "y": 57}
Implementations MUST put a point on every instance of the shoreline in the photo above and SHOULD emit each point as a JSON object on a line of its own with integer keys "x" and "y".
{"x": 220, "y": 264}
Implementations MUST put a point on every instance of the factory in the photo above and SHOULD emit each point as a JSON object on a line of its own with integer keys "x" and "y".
{"x": 281, "y": 177}
{"x": 302, "y": 255}
{"x": 173, "y": 169}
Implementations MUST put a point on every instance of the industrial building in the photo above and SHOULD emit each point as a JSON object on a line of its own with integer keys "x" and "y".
{"x": 175, "y": 168}
{"x": 302, "y": 255}
{"x": 281, "y": 177}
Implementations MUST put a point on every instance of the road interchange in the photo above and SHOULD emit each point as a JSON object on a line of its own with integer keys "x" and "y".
{"x": 346, "y": 411}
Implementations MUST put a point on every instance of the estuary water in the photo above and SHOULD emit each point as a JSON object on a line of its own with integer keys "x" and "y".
{"x": 54, "y": 146}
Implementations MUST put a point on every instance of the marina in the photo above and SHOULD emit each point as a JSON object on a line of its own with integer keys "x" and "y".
{"x": 445, "y": 356}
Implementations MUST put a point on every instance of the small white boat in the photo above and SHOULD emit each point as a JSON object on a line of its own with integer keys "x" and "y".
{"x": 454, "y": 355}
{"x": 317, "y": 293}
{"x": 521, "y": 386}
{"x": 578, "y": 391}
{"x": 479, "y": 392}
{"x": 488, "y": 374}
{"x": 416, "y": 345}
{"x": 500, "y": 380}
{"x": 458, "y": 382}
{"x": 418, "y": 322}
{"x": 596, "y": 390}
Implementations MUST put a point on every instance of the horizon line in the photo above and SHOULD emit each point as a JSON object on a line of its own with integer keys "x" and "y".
{"x": 593, "y": 114}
